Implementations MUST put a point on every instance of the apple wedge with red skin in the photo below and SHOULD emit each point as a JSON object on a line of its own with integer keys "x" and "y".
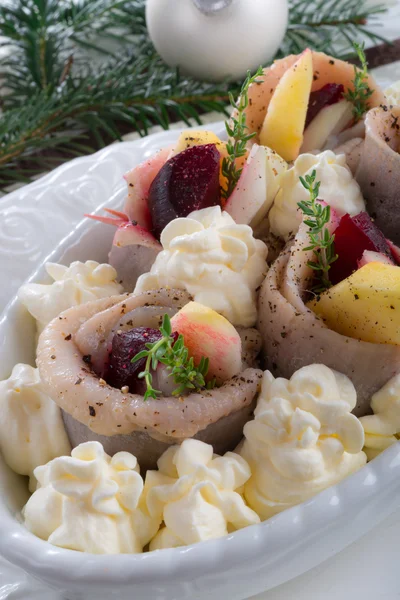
{"x": 395, "y": 250}
{"x": 257, "y": 187}
{"x": 133, "y": 251}
{"x": 139, "y": 180}
{"x": 331, "y": 120}
{"x": 370, "y": 256}
{"x": 208, "y": 334}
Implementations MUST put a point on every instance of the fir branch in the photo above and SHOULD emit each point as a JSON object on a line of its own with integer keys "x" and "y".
{"x": 322, "y": 242}
{"x": 98, "y": 104}
{"x": 236, "y": 129}
{"x": 330, "y": 26}
{"x": 58, "y": 107}
{"x": 173, "y": 354}
{"x": 40, "y": 36}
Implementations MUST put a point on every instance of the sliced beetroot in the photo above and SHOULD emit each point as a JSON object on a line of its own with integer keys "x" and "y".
{"x": 121, "y": 371}
{"x": 331, "y": 93}
{"x": 188, "y": 181}
{"x": 353, "y": 236}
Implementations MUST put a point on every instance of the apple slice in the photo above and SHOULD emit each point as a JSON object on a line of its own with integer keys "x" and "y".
{"x": 200, "y": 137}
{"x": 139, "y": 181}
{"x": 331, "y": 120}
{"x": 370, "y": 256}
{"x": 395, "y": 251}
{"x": 257, "y": 187}
{"x": 365, "y": 306}
{"x": 208, "y": 334}
{"x": 286, "y": 116}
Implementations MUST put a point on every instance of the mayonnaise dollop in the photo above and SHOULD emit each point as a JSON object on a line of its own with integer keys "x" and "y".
{"x": 382, "y": 429}
{"x": 91, "y": 503}
{"x": 302, "y": 440}
{"x": 217, "y": 261}
{"x": 31, "y": 427}
{"x": 193, "y": 492}
{"x": 392, "y": 94}
{"x": 73, "y": 285}
{"x": 338, "y": 188}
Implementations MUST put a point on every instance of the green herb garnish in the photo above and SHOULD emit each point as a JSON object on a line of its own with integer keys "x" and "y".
{"x": 362, "y": 92}
{"x": 175, "y": 356}
{"x": 322, "y": 242}
{"x": 236, "y": 146}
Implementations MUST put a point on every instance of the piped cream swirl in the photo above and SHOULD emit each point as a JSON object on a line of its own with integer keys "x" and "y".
{"x": 31, "y": 427}
{"x": 217, "y": 261}
{"x": 74, "y": 285}
{"x": 91, "y": 503}
{"x": 196, "y": 494}
{"x": 302, "y": 440}
{"x": 338, "y": 188}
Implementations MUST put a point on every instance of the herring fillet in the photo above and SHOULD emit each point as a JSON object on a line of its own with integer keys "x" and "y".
{"x": 378, "y": 172}
{"x": 106, "y": 411}
{"x": 293, "y": 336}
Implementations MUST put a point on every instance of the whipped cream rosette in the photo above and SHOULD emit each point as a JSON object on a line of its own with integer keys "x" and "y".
{"x": 31, "y": 428}
{"x": 382, "y": 429}
{"x": 74, "y": 285}
{"x": 302, "y": 440}
{"x": 90, "y": 502}
{"x": 195, "y": 493}
{"x": 217, "y": 261}
{"x": 338, "y": 189}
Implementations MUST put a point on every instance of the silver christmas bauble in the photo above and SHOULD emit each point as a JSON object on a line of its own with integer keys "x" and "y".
{"x": 217, "y": 39}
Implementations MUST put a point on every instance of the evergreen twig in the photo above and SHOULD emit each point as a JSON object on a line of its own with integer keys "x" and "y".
{"x": 59, "y": 103}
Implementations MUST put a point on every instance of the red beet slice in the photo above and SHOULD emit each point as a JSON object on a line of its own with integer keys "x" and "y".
{"x": 353, "y": 236}
{"x": 188, "y": 181}
{"x": 331, "y": 93}
{"x": 125, "y": 345}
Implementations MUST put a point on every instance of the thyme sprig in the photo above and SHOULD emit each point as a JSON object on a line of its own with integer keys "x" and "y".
{"x": 362, "y": 92}
{"x": 175, "y": 356}
{"x": 322, "y": 241}
{"x": 238, "y": 138}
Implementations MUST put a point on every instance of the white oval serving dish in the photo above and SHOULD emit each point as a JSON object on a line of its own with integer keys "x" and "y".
{"x": 243, "y": 564}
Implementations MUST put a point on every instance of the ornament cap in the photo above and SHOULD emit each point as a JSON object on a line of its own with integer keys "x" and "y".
{"x": 211, "y": 7}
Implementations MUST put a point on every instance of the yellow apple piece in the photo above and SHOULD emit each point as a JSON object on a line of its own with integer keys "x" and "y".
{"x": 331, "y": 120}
{"x": 365, "y": 306}
{"x": 208, "y": 334}
{"x": 190, "y": 138}
{"x": 286, "y": 116}
{"x": 257, "y": 187}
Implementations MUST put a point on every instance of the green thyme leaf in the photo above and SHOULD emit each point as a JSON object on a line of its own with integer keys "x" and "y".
{"x": 236, "y": 129}
{"x": 175, "y": 357}
{"x": 322, "y": 241}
